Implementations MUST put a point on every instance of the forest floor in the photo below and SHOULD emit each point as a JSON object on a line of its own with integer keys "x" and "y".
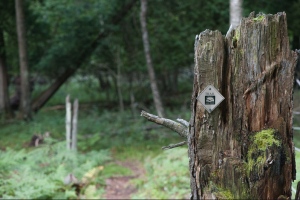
{"x": 120, "y": 187}
{"x": 126, "y": 146}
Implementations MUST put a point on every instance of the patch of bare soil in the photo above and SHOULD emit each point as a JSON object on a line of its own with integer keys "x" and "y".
{"x": 119, "y": 187}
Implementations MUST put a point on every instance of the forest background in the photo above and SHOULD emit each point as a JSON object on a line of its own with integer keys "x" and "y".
{"x": 94, "y": 51}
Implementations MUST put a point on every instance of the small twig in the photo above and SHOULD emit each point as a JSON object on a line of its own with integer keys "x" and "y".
{"x": 171, "y": 146}
{"x": 182, "y": 121}
{"x": 177, "y": 127}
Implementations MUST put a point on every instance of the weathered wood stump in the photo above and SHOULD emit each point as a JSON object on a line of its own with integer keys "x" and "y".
{"x": 244, "y": 149}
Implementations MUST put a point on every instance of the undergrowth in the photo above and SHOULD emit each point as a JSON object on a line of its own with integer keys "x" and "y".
{"x": 40, "y": 173}
{"x": 167, "y": 176}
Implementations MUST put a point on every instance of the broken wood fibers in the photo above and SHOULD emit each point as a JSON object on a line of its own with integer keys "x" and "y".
{"x": 253, "y": 68}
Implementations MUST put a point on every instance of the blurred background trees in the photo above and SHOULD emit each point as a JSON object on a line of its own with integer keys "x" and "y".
{"x": 101, "y": 43}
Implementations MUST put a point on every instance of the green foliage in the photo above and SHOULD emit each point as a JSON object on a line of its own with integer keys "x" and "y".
{"x": 167, "y": 176}
{"x": 40, "y": 173}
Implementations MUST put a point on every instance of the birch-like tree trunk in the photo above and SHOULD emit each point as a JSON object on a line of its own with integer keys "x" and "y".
{"x": 68, "y": 121}
{"x": 74, "y": 124}
{"x": 155, "y": 91}
{"x": 236, "y": 12}
{"x": 5, "y": 109}
{"x": 244, "y": 148}
{"x": 25, "y": 106}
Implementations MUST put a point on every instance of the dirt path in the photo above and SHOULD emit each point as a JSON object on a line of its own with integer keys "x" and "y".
{"x": 119, "y": 187}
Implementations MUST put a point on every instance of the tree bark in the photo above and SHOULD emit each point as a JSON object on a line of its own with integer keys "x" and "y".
{"x": 236, "y": 12}
{"x": 25, "y": 111}
{"x": 253, "y": 69}
{"x": 47, "y": 94}
{"x": 5, "y": 109}
{"x": 244, "y": 148}
{"x": 155, "y": 91}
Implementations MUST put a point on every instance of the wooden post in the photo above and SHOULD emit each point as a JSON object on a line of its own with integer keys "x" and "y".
{"x": 74, "y": 124}
{"x": 68, "y": 121}
{"x": 244, "y": 148}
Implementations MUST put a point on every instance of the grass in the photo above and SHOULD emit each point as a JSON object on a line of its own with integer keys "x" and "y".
{"x": 167, "y": 176}
{"x": 115, "y": 171}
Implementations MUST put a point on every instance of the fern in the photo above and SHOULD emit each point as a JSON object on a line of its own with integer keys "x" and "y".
{"x": 39, "y": 174}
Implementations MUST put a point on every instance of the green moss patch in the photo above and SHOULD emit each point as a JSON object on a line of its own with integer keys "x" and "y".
{"x": 256, "y": 152}
{"x": 259, "y": 18}
{"x": 236, "y": 37}
{"x": 221, "y": 193}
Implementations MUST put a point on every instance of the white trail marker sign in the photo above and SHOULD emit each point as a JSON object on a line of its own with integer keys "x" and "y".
{"x": 210, "y": 98}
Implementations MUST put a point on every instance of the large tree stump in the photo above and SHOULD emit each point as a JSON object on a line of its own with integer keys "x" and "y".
{"x": 244, "y": 148}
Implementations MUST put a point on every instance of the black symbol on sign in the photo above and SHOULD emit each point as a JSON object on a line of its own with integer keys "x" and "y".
{"x": 209, "y": 100}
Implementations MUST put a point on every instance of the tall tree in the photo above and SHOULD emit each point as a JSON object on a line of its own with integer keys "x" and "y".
{"x": 25, "y": 108}
{"x": 155, "y": 91}
{"x": 236, "y": 12}
{"x": 4, "y": 95}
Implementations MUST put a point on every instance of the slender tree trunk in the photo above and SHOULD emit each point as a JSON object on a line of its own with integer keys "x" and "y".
{"x": 132, "y": 99}
{"x": 68, "y": 121}
{"x": 155, "y": 91}
{"x": 244, "y": 148}
{"x": 104, "y": 85}
{"x": 236, "y": 12}
{"x": 75, "y": 124}
{"x": 5, "y": 109}
{"x": 121, "y": 105}
{"x": 24, "y": 72}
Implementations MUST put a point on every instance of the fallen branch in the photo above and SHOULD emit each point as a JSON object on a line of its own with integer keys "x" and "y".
{"x": 175, "y": 126}
{"x": 171, "y": 146}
